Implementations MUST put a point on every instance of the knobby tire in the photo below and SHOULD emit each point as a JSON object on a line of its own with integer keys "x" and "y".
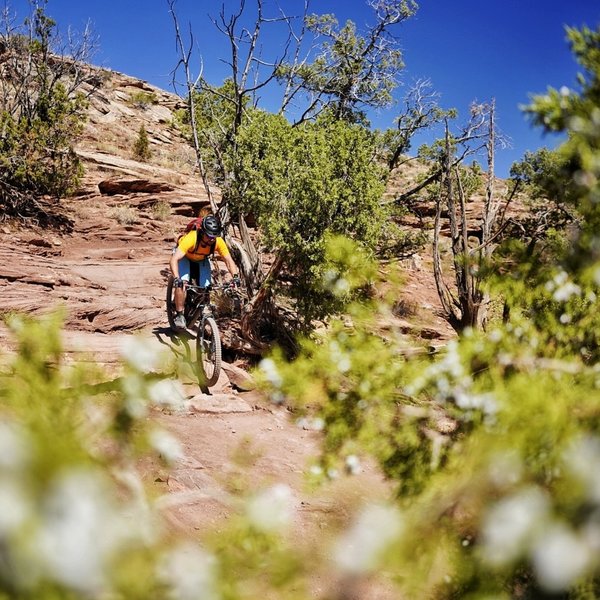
{"x": 208, "y": 350}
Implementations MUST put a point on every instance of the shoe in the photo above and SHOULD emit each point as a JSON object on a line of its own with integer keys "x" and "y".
{"x": 179, "y": 321}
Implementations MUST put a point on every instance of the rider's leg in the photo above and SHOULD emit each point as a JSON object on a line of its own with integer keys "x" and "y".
{"x": 179, "y": 299}
{"x": 184, "y": 275}
{"x": 204, "y": 275}
{"x": 205, "y": 278}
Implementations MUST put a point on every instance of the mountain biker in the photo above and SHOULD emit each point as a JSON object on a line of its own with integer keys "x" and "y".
{"x": 191, "y": 253}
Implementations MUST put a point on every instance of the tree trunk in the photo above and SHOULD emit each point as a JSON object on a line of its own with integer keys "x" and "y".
{"x": 469, "y": 307}
{"x": 261, "y": 313}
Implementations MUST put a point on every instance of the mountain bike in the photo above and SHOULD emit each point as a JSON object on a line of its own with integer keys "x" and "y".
{"x": 201, "y": 323}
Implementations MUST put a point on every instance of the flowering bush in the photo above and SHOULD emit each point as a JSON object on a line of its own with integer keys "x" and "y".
{"x": 493, "y": 445}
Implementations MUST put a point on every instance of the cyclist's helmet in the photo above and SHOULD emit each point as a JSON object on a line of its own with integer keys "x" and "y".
{"x": 211, "y": 226}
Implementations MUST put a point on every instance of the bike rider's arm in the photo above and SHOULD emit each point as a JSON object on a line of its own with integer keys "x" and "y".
{"x": 174, "y": 262}
{"x": 223, "y": 252}
{"x": 231, "y": 266}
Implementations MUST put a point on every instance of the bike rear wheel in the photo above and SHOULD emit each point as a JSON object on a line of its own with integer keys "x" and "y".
{"x": 208, "y": 350}
{"x": 171, "y": 311}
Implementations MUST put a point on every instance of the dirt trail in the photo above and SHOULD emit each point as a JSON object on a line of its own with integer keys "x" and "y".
{"x": 110, "y": 279}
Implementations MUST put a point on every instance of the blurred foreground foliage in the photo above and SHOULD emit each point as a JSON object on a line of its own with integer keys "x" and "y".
{"x": 76, "y": 518}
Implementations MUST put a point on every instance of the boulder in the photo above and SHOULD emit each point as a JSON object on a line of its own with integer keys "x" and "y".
{"x": 110, "y": 187}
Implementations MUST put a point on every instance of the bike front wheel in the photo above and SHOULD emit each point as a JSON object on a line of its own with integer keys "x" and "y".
{"x": 208, "y": 350}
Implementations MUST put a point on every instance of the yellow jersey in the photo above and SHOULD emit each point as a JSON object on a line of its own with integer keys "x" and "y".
{"x": 188, "y": 242}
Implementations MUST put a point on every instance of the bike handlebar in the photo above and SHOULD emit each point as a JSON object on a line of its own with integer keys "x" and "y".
{"x": 228, "y": 287}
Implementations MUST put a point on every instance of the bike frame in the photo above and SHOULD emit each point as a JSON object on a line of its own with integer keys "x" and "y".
{"x": 197, "y": 305}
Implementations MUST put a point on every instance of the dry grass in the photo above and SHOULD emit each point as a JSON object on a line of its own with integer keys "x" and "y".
{"x": 125, "y": 215}
{"x": 161, "y": 211}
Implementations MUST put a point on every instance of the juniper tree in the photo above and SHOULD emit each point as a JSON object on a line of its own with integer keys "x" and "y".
{"x": 342, "y": 73}
{"x": 141, "y": 147}
{"x": 42, "y": 108}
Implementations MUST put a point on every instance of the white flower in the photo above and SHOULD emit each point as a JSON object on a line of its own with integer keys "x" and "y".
{"x": 316, "y": 470}
{"x": 167, "y": 392}
{"x": 330, "y": 277}
{"x": 15, "y": 507}
{"x": 451, "y": 362}
{"x": 14, "y": 449}
{"x": 505, "y": 469}
{"x": 136, "y": 407}
{"x": 341, "y": 286}
{"x": 166, "y": 445}
{"x": 577, "y": 124}
{"x": 353, "y": 464}
{"x": 277, "y": 398}
{"x": 495, "y": 336}
{"x": 484, "y": 402}
{"x": 140, "y": 353}
{"x": 591, "y": 532}
{"x": 585, "y": 178}
{"x": 560, "y": 278}
{"x": 560, "y": 558}
{"x": 333, "y": 473}
{"x": 316, "y": 424}
{"x": 190, "y": 573}
{"x": 583, "y": 460}
{"x": 80, "y": 529}
{"x": 269, "y": 368}
{"x": 340, "y": 358}
{"x": 272, "y": 508}
{"x": 359, "y": 550}
{"x": 142, "y": 524}
{"x": 510, "y": 525}
{"x": 564, "y": 288}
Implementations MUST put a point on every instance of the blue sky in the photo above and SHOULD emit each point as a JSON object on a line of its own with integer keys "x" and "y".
{"x": 471, "y": 50}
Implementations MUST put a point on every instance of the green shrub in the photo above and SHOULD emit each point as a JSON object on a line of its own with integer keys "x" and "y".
{"x": 41, "y": 114}
{"x": 143, "y": 99}
{"x": 77, "y": 520}
{"x": 141, "y": 147}
{"x": 306, "y": 185}
{"x": 494, "y": 444}
{"x": 36, "y": 154}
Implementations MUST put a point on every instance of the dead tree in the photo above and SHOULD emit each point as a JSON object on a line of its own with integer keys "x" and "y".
{"x": 44, "y": 78}
{"x": 35, "y": 59}
{"x": 191, "y": 85}
{"x": 466, "y": 303}
{"x": 421, "y": 111}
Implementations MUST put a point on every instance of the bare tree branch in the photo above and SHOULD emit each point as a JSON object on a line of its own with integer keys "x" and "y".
{"x": 185, "y": 54}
